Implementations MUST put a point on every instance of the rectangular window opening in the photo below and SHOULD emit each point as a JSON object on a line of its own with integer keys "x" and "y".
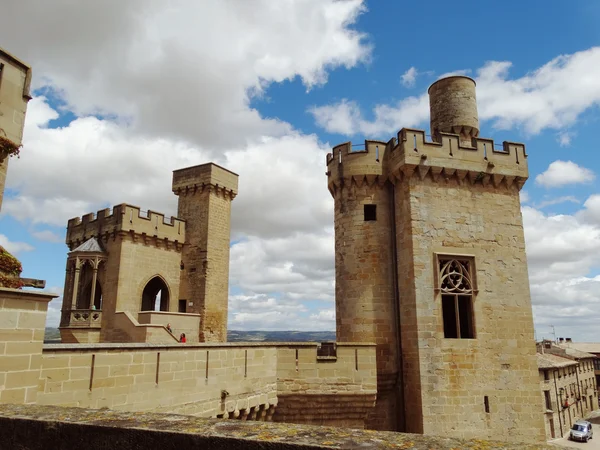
{"x": 181, "y": 308}
{"x": 370, "y": 212}
{"x": 548, "y": 400}
{"x": 486, "y": 403}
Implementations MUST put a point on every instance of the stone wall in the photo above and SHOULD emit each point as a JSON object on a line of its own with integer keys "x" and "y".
{"x": 22, "y": 321}
{"x": 40, "y": 428}
{"x": 192, "y": 379}
{"x": 486, "y": 385}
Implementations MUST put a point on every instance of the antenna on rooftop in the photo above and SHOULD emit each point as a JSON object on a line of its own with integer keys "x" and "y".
{"x": 553, "y": 332}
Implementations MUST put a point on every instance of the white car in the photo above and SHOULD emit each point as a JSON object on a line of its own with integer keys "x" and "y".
{"x": 581, "y": 431}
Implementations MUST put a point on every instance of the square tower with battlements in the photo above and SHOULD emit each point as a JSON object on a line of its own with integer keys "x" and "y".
{"x": 138, "y": 276}
{"x": 205, "y": 193}
{"x": 431, "y": 266}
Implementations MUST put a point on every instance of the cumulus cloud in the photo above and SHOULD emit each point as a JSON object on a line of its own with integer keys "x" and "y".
{"x": 261, "y": 312}
{"x": 185, "y": 70}
{"x": 46, "y": 236}
{"x": 551, "y": 97}
{"x": 564, "y": 138}
{"x": 562, "y": 173}
{"x": 14, "y": 247}
{"x": 409, "y": 77}
{"x": 563, "y": 252}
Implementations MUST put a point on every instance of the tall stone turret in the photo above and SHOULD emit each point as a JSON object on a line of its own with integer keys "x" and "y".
{"x": 440, "y": 273}
{"x": 205, "y": 193}
{"x": 364, "y": 261}
{"x": 453, "y": 108}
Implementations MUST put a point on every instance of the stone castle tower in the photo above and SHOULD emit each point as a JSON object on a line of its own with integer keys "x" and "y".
{"x": 130, "y": 273}
{"x": 205, "y": 193}
{"x": 431, "y": 266}
{"x": 15, "y": 79}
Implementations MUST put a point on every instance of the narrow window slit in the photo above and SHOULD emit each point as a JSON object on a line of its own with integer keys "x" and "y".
{"x": 157, "y": 366}
{"x": 486, "y": 403}
{"x": 92, "y": 371}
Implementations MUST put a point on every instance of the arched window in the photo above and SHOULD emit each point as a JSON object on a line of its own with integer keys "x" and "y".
{"x": 155, "y": 296}
{"x": 86, "y": 295}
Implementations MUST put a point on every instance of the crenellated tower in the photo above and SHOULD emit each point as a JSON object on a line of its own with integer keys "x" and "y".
{"x": 205, "y": 193}
{"x": 431, "y": 266}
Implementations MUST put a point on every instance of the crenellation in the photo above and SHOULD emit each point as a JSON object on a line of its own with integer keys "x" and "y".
{"x": 125, "y": 219}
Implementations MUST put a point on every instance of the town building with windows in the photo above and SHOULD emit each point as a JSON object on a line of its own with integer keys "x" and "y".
{"x": 568, "y": 386}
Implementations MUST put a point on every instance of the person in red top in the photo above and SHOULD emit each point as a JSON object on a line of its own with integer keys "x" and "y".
{"x": 182, "y": 338}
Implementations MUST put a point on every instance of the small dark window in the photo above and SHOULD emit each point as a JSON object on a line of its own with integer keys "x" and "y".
{"x": 181, "y": 306}
{"x": 370, "y": 212}
{"x": 486, "y": 403}
{"x": 546, "y": 375}
{"x": 548, "y": 400}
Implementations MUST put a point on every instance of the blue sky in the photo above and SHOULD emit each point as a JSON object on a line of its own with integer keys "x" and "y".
{"x": 124, "y": 94}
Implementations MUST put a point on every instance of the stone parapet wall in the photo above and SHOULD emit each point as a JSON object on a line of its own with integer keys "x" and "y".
{"x": 22, "y": 320}
{"x": 244, "y": 381}
{"x": 175, "y": 378}
{"x": 99, "y": 430}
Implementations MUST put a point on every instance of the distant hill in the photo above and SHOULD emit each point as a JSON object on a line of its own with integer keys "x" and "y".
{"x": 53, "y": 336}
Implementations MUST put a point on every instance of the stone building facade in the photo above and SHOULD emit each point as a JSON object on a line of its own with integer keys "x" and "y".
{"x": 430, "y": 265}
{"x": 568, "y": 386}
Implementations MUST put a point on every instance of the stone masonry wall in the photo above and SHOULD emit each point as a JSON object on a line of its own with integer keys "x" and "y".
{"x": 14, "y": 95}
{"x": 312, "y": 389}
{"x": 364, "y": 262}
{"x": 178, "y": 379}
{"x": 22, "y": 321}
{"x": 456, "y": 374}
{"x": 130, "y": 266}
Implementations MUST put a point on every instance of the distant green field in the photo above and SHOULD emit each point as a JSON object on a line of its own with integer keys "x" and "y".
{"x": 53, "y": 335}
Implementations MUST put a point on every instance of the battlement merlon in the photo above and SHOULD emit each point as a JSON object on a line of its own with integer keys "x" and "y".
{"x": 451, "y": 154}
{"x": 124, "y": 218}
{"x": 199, "y": 177}
{"x": 380, "y": 160}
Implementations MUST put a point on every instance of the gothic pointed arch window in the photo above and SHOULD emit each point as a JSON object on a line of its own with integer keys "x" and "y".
{"x": 155, "y": 296}
{"x": 456, "y": 284}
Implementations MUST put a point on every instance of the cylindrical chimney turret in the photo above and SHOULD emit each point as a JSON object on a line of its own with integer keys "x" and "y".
{"x": 453, "y": 108}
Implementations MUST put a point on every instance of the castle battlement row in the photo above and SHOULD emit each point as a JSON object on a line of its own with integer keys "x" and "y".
{"x": 210, "y": 175}
{"x": 411, "y": 149}
{"x": 124, "y": 218}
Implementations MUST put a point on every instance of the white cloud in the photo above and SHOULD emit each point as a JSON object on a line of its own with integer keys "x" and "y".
{"x": 47, "y": 236}
{"x": 409, "y": 77}
{"x": 556, "y": 201}
{"x": 261, "y": 312}
{"x": 563, "y": 251}
{"x": 14, "y": 247}
{"x": 186, "y": 70}
{"x": 551, "y": 97}
{"x": 564, "y": 138}
{"x": 561, "y": 173}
